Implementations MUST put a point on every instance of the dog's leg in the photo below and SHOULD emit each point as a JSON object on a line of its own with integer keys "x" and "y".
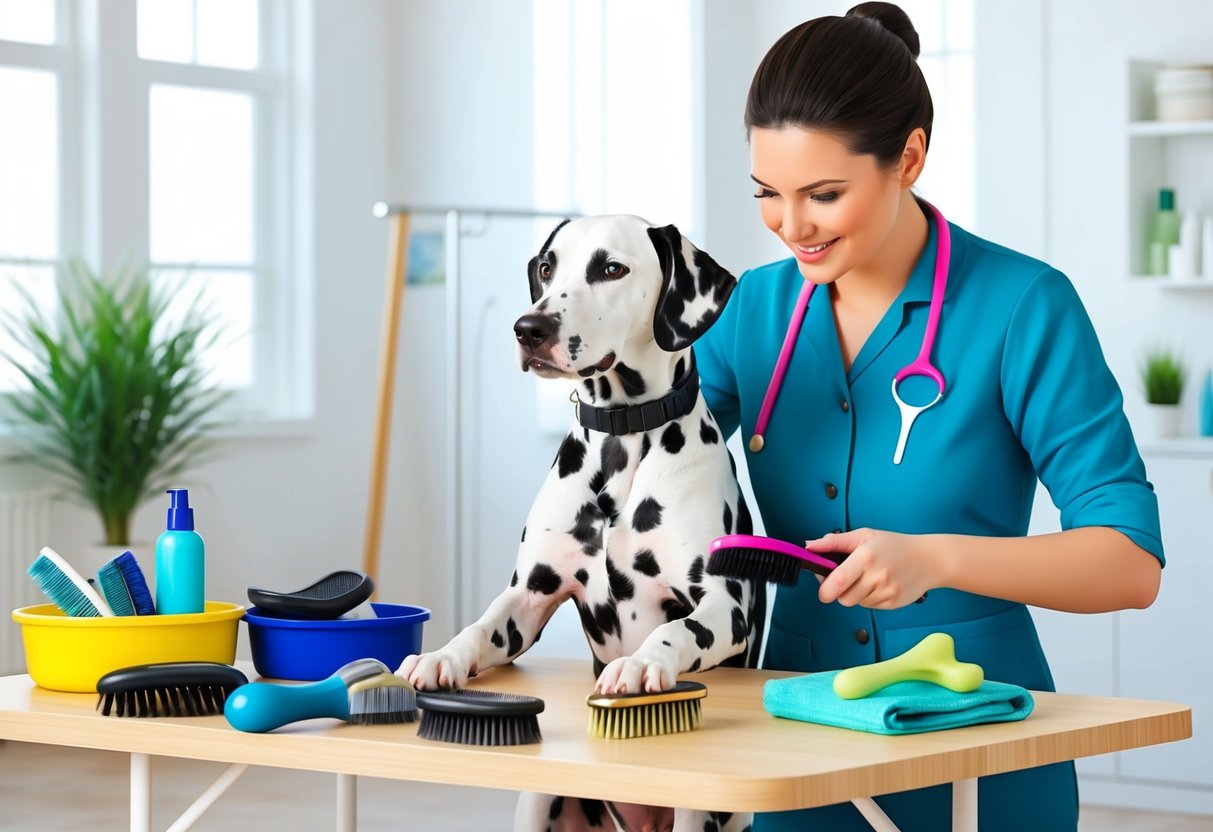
{"x": 711, "y": 633}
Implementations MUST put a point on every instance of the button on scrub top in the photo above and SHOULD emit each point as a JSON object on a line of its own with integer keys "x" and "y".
{"x": 1029, "y": 395}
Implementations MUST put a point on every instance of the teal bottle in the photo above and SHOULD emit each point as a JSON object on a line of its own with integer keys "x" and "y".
{"x": 180, "y": 560}
{"x": 1206, "y": 406}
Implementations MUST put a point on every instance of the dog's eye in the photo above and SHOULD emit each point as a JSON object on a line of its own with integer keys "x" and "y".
{"x": 545, "y": 271}
{"x": 616, "y": 270}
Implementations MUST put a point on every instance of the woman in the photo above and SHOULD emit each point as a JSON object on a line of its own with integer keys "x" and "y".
{"x": 839, "y": 122}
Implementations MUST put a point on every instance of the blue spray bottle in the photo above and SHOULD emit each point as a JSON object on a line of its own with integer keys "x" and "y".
{"x": 180, "y": 562}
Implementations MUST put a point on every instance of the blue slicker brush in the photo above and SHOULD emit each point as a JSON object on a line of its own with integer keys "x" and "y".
{"x": 362, "y": 692}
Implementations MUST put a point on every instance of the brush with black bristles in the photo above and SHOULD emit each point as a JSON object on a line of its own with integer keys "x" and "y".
{"x": 764, "y": 558}
{"x": 479, "y": 717}
{"x": 619, "y": 716}
{"x": 168, "y": 689}
{"x": 363, "y": 692}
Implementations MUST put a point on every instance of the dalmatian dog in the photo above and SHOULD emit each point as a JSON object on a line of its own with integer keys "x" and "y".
{"x": 640, "y": 486}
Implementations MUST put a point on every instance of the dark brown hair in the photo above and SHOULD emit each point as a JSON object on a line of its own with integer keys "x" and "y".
{"x": 856, "y": 77}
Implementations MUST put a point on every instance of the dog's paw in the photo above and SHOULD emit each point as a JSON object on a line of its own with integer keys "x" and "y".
{"x": 439, "y": 670}
{"x": 633, "y": 674}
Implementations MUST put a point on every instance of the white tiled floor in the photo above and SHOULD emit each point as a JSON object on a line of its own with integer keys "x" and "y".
{"x": 46, "y": 787}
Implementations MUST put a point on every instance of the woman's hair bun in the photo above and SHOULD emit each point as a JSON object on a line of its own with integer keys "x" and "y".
{"x": 892, "y": 18}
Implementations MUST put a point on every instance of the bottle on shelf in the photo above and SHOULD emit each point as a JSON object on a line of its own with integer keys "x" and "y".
{"x": 1164, "y": 232}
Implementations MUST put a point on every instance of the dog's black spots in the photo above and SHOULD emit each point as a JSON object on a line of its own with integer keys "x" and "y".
{"x": 695, "y": 572}
{"x": 672, "y": 438}
{"x": 594, "y": 811}
{"x": 697, "y": 593}
{"x": 514, "y": 578}
{"x": 515, "y": 637}
{"x": 645, "y": 563}
{"x": 590, "y": 624}
{"x": 633, "y": 384}
{"x": 739, "y": 626}
{"x": 596, "y": 269}
{"x": 543, "y": 579}
{"x": 586, "y": 372}
{"x": 704, "y": 638}
{"x": 587, "y": 430}
{"x": 679, "y": 369}
{"x": 694, "y": 665}
{"x": 666, "y": 643}
{"x": 523, "y": 535}
{"x": 571, "y": 456}
{"x": 745, "y": 525}
{"x": 710, "y": 825}
{"x": 607, "y": 616}
{"x": 574, "y": 346}
{"x": 732, "y": 462}
{"x": 734, "y": 588}
{"x": 599, "y": 666}
{"x": 556, "y": 808}
{"x": 645, "y": 445}
{"x": 597, "y": 482}
{"x": 497, "y": 640}
{"x": 588, "y": 529}
{"x": 707, "y": 433}
{"x": 728, "y": 519}
{"x": 582, "y": 576}
{"x": 722, "y": 817}
{"x": 633, "y": 615}
{"x": 675, "y": 609}
{"x": 647, "y": 515}
{"x": 681, "y": 599}
{"x": 622, "y": 587}
{"x": 607, "y": 503}
{"x": 604, "y": 388}
{"x": 614, "y": 456}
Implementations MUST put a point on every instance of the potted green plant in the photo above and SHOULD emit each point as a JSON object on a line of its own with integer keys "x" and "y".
{"x": 1162, "y": 376}
{"x": 117, "y": 402}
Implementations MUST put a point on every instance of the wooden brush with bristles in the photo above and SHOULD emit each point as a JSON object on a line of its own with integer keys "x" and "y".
{"x": 620, "y": 716}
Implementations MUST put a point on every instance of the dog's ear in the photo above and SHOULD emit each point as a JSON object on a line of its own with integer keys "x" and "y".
{"x": 532, "y": 268}
{"x": 694, "y": 290}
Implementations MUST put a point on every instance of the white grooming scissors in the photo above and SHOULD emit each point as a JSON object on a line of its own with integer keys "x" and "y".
{"x": 920, "y": 366}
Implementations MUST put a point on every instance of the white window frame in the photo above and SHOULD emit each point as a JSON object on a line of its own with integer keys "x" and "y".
{"x": 104, "y": 195}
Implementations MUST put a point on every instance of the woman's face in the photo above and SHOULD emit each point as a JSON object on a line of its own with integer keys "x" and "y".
{"x": 832, "y": 208}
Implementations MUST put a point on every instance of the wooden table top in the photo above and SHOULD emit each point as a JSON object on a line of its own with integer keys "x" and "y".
{"x": 742, "y": 760}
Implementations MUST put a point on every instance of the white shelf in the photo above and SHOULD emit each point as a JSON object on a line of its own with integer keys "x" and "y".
{"x": 1158, "y": 129}
{"x": 1198, "y": 447}
{"x": 1176, "y": 284}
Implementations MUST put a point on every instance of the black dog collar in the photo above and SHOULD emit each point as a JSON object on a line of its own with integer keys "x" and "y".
{"x": 634, "y": 418}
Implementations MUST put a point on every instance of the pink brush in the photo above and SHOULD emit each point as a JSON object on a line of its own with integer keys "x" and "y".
{"x": 764, "y": 558}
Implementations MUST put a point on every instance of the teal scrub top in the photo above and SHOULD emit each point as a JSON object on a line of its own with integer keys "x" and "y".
{"x": 1029, "y": 395}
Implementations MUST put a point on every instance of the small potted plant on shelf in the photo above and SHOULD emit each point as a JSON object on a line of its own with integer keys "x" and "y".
{"x": 116, "y": 400}
{"x": 1162, "y": 376}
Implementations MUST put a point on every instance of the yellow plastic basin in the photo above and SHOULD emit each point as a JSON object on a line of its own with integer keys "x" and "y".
{"x": 71, "y": 654}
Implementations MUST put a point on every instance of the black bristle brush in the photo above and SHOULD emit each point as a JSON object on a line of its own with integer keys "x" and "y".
{"x": 479, "y": 717}
{"x": 168, "y": 689}
{"x": 764, "y": 558}
{"x": 619, "y": 716}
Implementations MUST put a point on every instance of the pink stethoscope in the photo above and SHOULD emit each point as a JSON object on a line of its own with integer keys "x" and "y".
{"x": 920, "y": 366}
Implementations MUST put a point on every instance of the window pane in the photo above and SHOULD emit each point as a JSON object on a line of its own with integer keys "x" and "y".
{"x": 201, "y": 175}
{"x": 960, "y": 24}
{"x": 39, "y": 283}
{"x": 227, "y": 298}
{"x": 166, "y": 30}
{"x": 29, "y": 178}
{"x": 227, "y": 33}
{"x": 31, "y": 21}
{"x": 927, "y": 17}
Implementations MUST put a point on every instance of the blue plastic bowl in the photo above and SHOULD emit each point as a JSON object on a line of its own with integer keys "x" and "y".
{"x": 303, "y": 650}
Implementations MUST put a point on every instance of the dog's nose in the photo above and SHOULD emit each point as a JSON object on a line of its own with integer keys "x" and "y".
{"x": 533, "y": 330}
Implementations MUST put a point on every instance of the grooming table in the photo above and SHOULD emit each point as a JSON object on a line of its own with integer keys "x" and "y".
{"x": 742, "y": 760}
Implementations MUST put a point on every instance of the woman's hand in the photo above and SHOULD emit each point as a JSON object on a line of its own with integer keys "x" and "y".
{"x": 883, "y": 570}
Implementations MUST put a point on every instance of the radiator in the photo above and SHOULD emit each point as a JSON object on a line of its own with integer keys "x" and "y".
{"x": 24, "y": 529}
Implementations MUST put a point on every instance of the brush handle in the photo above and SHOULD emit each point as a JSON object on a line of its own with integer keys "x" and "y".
{"x": 262, "y": 706}
{"x": 808, "y": 559}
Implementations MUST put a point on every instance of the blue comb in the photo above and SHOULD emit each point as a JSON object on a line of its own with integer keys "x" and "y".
{"x": 124, "y": 587}
{"x": 65, "y": 587}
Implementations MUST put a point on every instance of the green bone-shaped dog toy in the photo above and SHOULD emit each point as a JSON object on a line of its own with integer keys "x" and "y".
{"x": 931, "y": 660}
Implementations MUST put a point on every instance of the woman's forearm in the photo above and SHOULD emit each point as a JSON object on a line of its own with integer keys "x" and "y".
{"x": 1094, "y": 569}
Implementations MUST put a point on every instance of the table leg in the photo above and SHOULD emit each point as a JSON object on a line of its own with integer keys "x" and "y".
{"x": 964, "y": 805}
{"x": 141, "y": 793}
{"x": 874, "y": 815}
{"x": 347, "y": 802}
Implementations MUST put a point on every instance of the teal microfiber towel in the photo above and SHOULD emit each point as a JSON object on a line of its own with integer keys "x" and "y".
{"x": 901, "y": 708}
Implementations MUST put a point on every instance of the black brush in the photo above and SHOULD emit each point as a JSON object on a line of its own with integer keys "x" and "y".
{"x": 168, "y": 689}
{"x": 764, "y": 558}
{"x": 479, "y": 717}
{"x": 332, "y": 596}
